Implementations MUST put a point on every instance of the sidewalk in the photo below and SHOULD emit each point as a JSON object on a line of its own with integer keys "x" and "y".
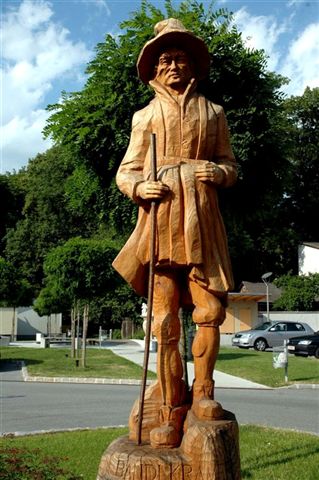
{"x": 134, "y": 351}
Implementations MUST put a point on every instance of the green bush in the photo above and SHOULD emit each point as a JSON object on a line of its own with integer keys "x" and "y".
{"x": 24, "y": 464}
{"x": 116, "y": 334}
{"x": 139, "y": 334}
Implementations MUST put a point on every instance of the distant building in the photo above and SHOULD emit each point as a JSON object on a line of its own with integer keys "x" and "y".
{"x": 308, "y": 258}
{"x": 242, "y": 311}
{"x": 260, "y": 288}
{"x": 25, "y": 323}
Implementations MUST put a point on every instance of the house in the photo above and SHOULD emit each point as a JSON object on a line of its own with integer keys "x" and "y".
{"x": 308, "y": 258}
{"x": 242, "y": 311}
{"x": 245, "y": 307}
{"x": 258, "y": 287}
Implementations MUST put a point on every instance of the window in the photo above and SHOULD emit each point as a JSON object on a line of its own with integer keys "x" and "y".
{"x": 292, "y": 327}
{"x": 280, "y": 327}
{"x": 300, "y": 327}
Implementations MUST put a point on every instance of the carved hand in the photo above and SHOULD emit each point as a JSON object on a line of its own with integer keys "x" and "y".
{"x": 210, "y": 172}
{"x": 149, "y": 190}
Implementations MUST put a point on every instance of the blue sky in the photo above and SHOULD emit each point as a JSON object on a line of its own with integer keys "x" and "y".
{"x": 45, "y": 46}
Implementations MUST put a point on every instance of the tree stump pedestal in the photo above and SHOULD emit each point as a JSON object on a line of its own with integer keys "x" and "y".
{"x": 209, "y": 451}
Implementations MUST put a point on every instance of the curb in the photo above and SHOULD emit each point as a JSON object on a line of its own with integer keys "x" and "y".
{"x": 56, "y": 430}
{"x": 128, "y": 381}
{"x": 79, "y": 380}
{"x": 303, "y": 386}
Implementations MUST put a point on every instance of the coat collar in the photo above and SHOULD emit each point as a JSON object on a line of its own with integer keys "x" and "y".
{"x": 162, "y": 92}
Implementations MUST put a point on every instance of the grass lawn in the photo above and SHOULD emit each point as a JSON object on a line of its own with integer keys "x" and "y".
{"x": 257, "y": 367}
{"x": 57, "y": 362}
{"x": 265, "y": 453}
{"x": 248, "y": 364}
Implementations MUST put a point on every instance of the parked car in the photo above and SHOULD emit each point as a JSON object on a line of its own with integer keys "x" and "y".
{"x": 270, "y": 334}
{"x": 305, "y": 345}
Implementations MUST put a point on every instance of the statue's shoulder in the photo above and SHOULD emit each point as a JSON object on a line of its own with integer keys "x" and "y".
{"x": 144, "y": 115}
{"x": 217, "y": 109}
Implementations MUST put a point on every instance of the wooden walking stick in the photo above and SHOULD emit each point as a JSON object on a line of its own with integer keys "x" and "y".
{"x": 150, "y": 290}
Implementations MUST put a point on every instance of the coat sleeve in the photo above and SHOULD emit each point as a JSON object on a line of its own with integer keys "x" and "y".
{"x": 130, "y": 172}
{"x": 223, "y": 153}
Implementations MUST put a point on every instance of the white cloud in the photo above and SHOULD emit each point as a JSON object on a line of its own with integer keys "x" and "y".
{"x": 302, "y": 62}
{"x": 36, "y": 52}
{"x": 22, "y": 139}
{"x": 298, "y": 60}
{"x": 102, "y": 5}
{"x": 260, "y": 32}
{"x": 293, "y": 3}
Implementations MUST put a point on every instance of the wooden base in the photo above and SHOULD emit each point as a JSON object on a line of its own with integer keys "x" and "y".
{"x": 209, "y": 451}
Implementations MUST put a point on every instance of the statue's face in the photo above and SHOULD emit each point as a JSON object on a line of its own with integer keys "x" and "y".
{"x": 174, "y": 69}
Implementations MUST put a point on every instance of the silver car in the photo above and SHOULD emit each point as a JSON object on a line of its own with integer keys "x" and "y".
{"x": 270, "y": 334}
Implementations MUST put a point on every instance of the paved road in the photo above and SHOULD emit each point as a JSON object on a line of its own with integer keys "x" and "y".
{"x": 29, "y": 407}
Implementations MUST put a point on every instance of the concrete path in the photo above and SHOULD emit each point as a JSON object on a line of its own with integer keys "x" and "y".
{"x": 134, "y": 351}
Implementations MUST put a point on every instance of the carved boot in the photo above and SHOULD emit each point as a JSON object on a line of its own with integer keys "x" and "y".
{"x": 169, "y": 433}
{"x": 204, "y": 406}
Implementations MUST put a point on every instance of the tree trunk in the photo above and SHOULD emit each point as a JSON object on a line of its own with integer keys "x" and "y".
{"x": 73, "y": 319}
{"x": 77, "y": 314}
{"x": 84, "y": 333}
{"x": 13, "y": 330}
{"x": 209, "y": 451}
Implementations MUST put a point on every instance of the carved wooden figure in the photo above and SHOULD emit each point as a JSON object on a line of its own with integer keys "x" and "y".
{"x": 192, "y": 266}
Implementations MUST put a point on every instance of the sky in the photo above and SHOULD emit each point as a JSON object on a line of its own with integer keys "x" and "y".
{"x": 46, "y": 45}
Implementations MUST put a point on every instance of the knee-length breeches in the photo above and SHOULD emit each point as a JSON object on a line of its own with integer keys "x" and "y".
{"x": 169, "y": 286}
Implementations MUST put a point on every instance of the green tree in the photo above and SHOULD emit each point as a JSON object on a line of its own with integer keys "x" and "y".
{"x": 12, "y": 194}
{"x": 80, "y": 271}
{"x": 97, "y": 122}
{"x": 301, "y": 200}
{"x": 300, "y": 292}
{"x": 52, "y": 211}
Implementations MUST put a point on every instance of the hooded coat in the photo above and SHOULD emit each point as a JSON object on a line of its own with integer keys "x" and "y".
{"x": 190, "y": 230}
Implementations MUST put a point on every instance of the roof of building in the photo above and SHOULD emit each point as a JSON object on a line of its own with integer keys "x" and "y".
{"x": 311, "y": 244}
{"x": 259, "y": 288}
{"x": 246, "y": 297}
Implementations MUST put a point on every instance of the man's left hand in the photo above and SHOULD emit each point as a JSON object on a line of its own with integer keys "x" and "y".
{"x": 209, "y": 172}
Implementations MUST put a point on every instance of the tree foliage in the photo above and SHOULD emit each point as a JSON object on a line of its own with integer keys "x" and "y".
{"x": 51, "y": 213}
{"x": 97, "y": 121}
{"x": 301, "y": 200}
{"x": 300, "y": 292}
{"x": 81, "y": 270}
{"x": 14, "y": 289}
{"x": 12, "y": 194}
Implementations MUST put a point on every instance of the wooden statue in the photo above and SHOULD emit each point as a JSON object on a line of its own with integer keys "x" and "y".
{"x": 192, "y": 266}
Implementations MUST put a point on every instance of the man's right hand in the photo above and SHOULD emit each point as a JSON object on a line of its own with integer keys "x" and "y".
{"x": 150, "y": 190}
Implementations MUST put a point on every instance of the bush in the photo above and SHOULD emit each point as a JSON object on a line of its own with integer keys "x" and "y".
{"x": 30, "y": 464}
{"x": 139, "y": 334}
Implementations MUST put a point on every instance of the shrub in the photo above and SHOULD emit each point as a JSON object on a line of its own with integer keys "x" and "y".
{"x": 31, "y": 465}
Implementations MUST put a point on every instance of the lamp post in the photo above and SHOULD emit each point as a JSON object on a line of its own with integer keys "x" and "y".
{"x": 264, "y": 278}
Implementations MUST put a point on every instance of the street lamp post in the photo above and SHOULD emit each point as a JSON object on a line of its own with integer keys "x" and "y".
{"x": 264, "y": 278}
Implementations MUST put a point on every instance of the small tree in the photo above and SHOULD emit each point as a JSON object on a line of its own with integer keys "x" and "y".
{"x": 81, "y": 270}
{"x": 300, "y": 292}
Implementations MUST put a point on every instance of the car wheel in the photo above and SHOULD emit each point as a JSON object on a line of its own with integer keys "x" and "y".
{"x": 317, "y": 352}
{"x": 260, "y": 344}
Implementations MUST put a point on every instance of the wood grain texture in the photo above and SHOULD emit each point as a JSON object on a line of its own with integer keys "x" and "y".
{"x": 209, "y": 451}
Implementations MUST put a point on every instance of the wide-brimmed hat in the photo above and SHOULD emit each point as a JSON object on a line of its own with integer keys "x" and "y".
{"x": 172, "y": 33}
